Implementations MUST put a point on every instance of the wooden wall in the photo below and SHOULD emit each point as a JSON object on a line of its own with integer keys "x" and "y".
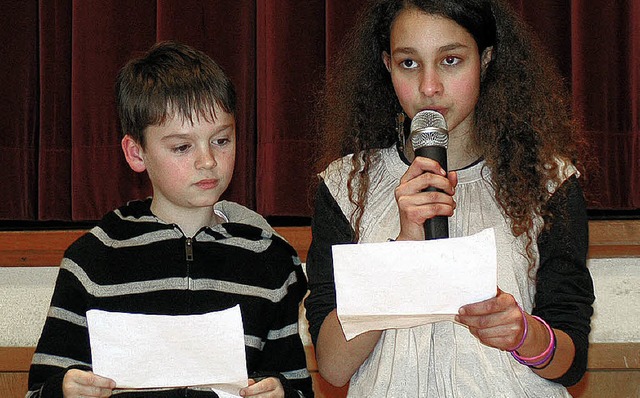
{"x": 613, "y": 369}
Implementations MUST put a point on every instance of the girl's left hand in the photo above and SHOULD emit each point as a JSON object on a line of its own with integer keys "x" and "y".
{"x": 267, "y": 388}
{"x": 496, "y": 322}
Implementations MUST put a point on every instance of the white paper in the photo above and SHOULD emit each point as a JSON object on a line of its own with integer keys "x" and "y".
{"x": 154, "y": 351}
{"x": 404, "y": 284}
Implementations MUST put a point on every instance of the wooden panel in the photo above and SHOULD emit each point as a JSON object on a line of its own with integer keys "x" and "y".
{"x": 299, "y": 237}
{"x": 45, "y": 248}
{"x": 614, "y": 251}
{"x": 15, "y": 359}
{"x": 602, "y": 356}
{"x": 618, "y": 232}
{"x": 613, "y": 368}
{"x": 35, "y": 248}
{"x": 13, "y": 385}
{"x": 614, "y": 238}
{"x": 605, "y": 356}
{"x": 608, "y": 384}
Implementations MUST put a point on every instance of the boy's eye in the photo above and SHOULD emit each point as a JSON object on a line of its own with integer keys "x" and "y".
{"x": 451, "y": 60}
{"x": 181, "y": 148}
{"x": 409, "y": 64}
{"x": 221, "y": 141}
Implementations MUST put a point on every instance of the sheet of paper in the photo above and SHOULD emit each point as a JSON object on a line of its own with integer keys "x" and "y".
{"x": 404, "y": 284}
{"x": 155, "y": 351}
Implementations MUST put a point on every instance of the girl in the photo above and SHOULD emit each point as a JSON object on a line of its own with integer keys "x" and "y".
{"x": 514, "y": 151}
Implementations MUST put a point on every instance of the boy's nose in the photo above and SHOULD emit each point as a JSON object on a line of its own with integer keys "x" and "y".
{"x": 205, "y": 160}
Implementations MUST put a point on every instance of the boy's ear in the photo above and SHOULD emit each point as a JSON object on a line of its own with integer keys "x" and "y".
{"x": 133, "y": 152}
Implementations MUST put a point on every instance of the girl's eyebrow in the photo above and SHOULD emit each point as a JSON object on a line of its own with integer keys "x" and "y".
{"x": 452, "y": 46}
{"x": 445, "y": 48}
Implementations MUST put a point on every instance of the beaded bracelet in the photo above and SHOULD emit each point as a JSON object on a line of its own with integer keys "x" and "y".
{"x": 526, "y": 330}
{"x": 545, "y": 356}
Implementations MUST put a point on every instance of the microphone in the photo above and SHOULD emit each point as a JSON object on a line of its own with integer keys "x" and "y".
{"x": 430, "y": 139}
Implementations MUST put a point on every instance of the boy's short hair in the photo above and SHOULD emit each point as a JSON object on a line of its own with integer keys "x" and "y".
{"x": 171, "y": 79}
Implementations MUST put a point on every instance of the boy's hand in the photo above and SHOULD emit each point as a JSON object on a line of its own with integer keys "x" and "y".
{"x": 267, "y": 388}
{"x": 81, "y": 383}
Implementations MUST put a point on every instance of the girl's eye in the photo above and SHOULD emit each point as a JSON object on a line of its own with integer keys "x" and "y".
{"x": 409, "y": 64}
{"x": 451, "y": 60}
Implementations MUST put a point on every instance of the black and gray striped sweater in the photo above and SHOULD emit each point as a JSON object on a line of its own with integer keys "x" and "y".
{"x": 132, "y": 262}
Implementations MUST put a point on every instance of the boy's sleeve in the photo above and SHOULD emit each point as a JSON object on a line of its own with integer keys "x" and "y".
{"x": 283, "y": 354}
{"x": 64, "y": 342}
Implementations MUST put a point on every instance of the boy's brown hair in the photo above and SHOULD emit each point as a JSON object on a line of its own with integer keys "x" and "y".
{"x": 170, "y": 80}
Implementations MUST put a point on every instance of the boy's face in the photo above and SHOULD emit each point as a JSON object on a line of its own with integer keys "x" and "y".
{"x": 189, "y": 165}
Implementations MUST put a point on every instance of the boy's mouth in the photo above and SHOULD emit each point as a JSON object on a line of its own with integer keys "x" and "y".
{"x": 207, "y": 184}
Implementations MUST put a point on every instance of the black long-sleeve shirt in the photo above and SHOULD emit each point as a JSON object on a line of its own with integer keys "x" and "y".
{"x": 131, "y": 262}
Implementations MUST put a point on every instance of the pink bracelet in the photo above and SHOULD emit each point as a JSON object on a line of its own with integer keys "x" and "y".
{"x": 526, "y": 330}
{"x": 545, "y": 355}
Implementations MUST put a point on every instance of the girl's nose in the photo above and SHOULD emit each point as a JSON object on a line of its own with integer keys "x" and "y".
{"x": 431, "y": 83}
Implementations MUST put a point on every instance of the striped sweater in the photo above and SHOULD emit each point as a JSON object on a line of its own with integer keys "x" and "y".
{"x": 132, "y": 262}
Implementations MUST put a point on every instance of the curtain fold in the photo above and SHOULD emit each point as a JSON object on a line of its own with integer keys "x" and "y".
{"x": 60, "y": 156}
{"x": 606, "y": 61}
{"x": 54, "y": 166}
{"x": 19, "y": 110}
{"x": 290, "y": 56}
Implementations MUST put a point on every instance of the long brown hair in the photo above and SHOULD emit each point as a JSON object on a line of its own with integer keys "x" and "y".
{"x": 522, "y": 118}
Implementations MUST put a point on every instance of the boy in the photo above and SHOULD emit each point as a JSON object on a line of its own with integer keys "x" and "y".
{"x": 182, "y": 251}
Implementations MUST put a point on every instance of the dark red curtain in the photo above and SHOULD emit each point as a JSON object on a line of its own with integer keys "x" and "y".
{"x": 60, "y": 157}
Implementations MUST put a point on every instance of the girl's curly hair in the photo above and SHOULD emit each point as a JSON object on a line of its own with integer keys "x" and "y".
{"x": 523, "y": 118}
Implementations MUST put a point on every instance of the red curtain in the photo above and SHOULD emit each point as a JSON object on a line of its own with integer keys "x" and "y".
{"x": 60, "y": 157}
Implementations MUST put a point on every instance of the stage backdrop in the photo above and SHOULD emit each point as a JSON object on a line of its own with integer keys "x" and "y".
{"x": 60, "y": 157}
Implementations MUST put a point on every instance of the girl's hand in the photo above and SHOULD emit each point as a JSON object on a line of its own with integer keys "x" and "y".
{"x": 81, "y": 383}
{"x": 496, "y": 322}
{"x": 416, "y": 206}
{"x": 267, "y": 388}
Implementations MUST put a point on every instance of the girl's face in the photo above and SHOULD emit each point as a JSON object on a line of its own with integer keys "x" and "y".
{"x": 434, "y": 64}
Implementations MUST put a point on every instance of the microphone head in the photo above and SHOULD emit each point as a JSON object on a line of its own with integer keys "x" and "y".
{"x": 428, "y": 128}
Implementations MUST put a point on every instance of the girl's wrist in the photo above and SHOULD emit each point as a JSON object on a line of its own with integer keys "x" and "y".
{"x": 539, "y": 358}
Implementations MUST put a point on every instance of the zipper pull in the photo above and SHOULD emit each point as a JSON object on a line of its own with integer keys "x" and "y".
{"x": 188, "y": 246}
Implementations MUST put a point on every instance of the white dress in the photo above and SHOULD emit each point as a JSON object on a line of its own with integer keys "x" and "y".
{"x": 443, "y": 359}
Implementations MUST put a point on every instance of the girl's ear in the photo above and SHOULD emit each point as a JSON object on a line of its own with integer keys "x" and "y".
{"x": 386, "y": 58}
{"x": 487, "y": 56}
{"x": 133, "y": 153}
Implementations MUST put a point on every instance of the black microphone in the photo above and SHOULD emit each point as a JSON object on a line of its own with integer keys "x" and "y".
{"x": 430, "y": 139}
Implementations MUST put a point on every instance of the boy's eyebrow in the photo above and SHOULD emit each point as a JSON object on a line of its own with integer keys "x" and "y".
{"x": 187, "y": 135}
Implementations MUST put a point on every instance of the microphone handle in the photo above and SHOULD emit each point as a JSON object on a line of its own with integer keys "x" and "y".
{"x": 436, "y": 227}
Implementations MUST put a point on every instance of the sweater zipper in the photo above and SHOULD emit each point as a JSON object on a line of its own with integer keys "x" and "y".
{"x": 188, "y": 247}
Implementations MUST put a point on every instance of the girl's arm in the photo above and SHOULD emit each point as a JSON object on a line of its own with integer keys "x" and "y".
{"x": 563, "y": 299}
{"x": 565, "y": 295}
{"x": 337, "y": 359}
